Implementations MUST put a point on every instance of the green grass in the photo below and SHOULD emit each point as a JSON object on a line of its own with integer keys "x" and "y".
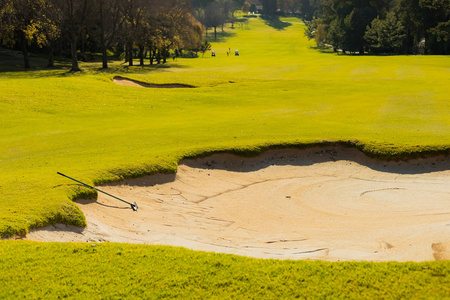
{"x": 52, "y": 270}
{"x": 283, "y": 93}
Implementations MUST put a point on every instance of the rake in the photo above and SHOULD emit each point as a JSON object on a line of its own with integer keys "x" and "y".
{"x": 134, "y": 206}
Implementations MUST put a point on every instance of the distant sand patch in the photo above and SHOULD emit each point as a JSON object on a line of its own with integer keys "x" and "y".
{"x": 318, "y": 203}
{"x": 130, "y": 82}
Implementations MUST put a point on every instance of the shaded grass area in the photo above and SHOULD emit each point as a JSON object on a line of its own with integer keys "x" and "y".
{"x": 278, "y": 92}
{"x": 275, "y": 22}
{"x": 52, "y": 270}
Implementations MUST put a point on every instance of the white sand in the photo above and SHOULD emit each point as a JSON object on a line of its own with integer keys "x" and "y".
{"x": 320, "y": 203}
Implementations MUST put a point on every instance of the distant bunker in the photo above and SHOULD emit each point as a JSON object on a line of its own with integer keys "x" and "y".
{"x": 131, "y": 82}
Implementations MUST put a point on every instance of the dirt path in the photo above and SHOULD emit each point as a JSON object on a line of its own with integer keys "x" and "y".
{"x": 330, "y": 204}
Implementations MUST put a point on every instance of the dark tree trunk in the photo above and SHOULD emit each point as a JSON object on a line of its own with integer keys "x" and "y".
{"x": 83, "y": 50}
{"x": 59, "y": 46}
{"x": 26, "y": 57}
{"x": 164, "y": 55}
{"x": 104, "y": 57}
{"x": 102, "y": 38}
{"x": 158, "y": 57}
{"x": 130, "y": 53}
{"x": 141, "y": 55}
{"x": 51, "y": 62}
{"x": 215, "y": 33}
{"x": 151, "y": 56}
{"x": 73, "y": 49}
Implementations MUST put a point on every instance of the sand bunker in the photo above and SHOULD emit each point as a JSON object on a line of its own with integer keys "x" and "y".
{"x": 130, "y": 82}
{"x": 320, "y": 203}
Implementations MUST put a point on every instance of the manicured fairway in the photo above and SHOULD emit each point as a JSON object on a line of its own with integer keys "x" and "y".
{"x": 278, "y": 91}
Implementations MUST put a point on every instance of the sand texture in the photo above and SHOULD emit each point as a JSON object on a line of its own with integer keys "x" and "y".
{"x": 320, "y": 203}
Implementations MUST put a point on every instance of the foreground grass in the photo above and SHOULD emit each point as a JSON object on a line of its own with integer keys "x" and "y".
{"x": 52, "y": 270}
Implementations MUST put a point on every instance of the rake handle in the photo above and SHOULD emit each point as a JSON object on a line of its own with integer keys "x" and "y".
{"x": 133, "y": 205}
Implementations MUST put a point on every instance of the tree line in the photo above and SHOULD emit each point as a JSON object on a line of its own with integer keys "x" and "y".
{"x": 151, "y": 27}
{"x": 216, "y": 13}
{"x": 305, "y": 9}
{"x": 383, "y": 26}
{"x": 373, "y": 26}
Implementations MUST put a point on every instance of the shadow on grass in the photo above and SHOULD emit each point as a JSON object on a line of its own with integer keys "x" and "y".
{"x": 19, "y": 69}
{"x": 222, "y": 36}
{"x": 124, "y": 68}
{"x": 329, "y": 50}
{"x": 13, "y": 66}
{"x": 275, "y": 22}
{"x": 325, "y": 50}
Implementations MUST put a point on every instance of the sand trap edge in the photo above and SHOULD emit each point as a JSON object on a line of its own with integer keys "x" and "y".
{"x": 131, "y": 82}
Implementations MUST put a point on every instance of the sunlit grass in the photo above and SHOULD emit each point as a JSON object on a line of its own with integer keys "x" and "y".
{"x": 52, "y": 270}
{"x": 278, "y": 91}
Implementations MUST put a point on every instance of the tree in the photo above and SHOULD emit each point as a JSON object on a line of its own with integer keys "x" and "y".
{"x": 436, "y": 16}
{"x": 269, "y": 7}
{"x": 214, "y": 16}
{"x": 307, "y": 9}
{"x": 347, "y": 21}
{"x": 311, "y": 27}
{"x": 425, "y": 20}
{"x": 101, "y": 25}
{"x": 238, "y": 3}
{"x": 289, "y": 6}
{"x": 50, "y": 31}
{"x": 336, "y": 35}
{"x": 206, "y": 46}
{"x": 411, "y": 17}
{"x": 201, "y": 3}
{"x": 180, "y": 30}
{"x": 74, "y": 19}
{"x": 385, "y": 35}
{"x": 320, "y": 35}
{"x": 164, "y": 27}
{"x": 22, "y": 22}
{"x": 246, "y": 8}
{"x": 109, "y": 21}
{"x": 441, "y": 31}
{"x": 189, "y": 32}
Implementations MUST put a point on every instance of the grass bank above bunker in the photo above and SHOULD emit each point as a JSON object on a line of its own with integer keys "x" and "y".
{"x": 328, "y": 203}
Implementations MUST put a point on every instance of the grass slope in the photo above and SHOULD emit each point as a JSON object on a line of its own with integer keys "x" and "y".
{"x": 279, "y": 91}
{"x": 53, "y": 270}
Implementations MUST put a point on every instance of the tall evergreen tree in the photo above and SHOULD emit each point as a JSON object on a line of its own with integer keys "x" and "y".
{"x": 269, "y": 7}
{"x": 385, "y": 35}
